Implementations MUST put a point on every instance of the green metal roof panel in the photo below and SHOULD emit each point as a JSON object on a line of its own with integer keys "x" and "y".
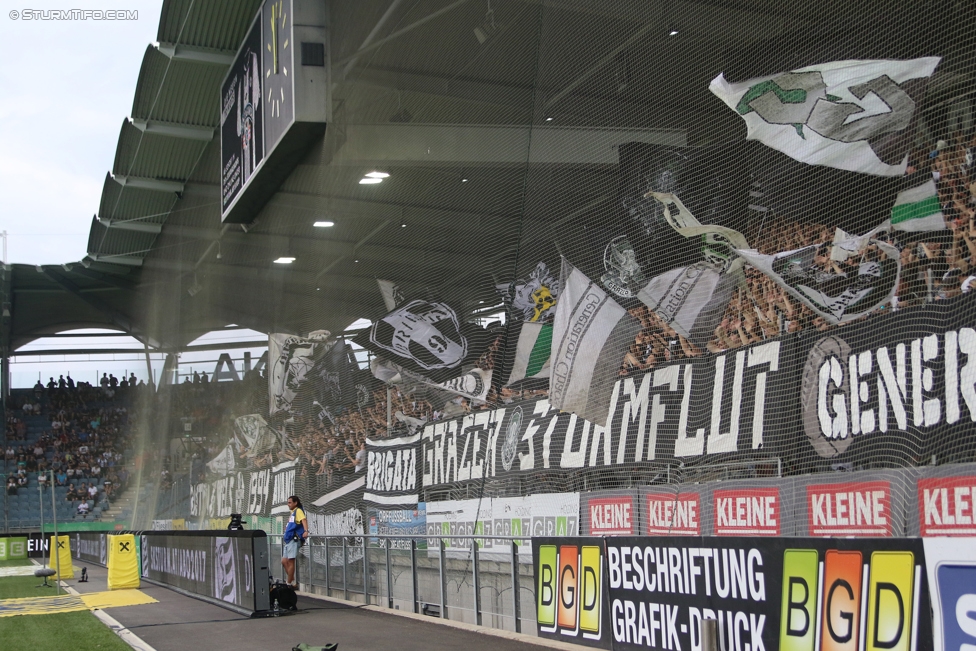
{"x": 190, "y": 95}
{"x": 219, "y": 24}
{"x": 151, "y": 75}
{"x": 165, "y": 157}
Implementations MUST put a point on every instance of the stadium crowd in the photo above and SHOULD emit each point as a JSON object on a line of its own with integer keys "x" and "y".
{"x": 939, "y": 266}
{"x": 83, "y": 439}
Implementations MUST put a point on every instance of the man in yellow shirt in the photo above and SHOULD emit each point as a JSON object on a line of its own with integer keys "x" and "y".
{"x": 295, "y": 531}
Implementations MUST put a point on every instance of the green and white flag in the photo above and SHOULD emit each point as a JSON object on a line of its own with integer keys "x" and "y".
{"x": 532, "y": 352}
{"x": 918, "y": 209}
{"x": 851, "y": 115}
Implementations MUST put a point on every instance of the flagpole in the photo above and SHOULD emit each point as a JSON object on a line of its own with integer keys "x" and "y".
{"x": 54, "y": 516}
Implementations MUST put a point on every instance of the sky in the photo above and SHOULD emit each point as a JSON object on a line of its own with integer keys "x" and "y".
{"x": 67, "y": 87}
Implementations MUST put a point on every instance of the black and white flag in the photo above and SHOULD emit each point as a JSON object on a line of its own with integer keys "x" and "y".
{"x": 392, "y": 480}
{"x": 290, "y": 362}
{"x": 837, "y": 297}
{"x": 426, "y": 337}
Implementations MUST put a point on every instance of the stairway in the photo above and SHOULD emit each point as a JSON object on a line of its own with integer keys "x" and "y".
{"x": 122, "y": 506}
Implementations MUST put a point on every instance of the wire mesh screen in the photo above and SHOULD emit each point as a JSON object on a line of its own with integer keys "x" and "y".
{"x": 598, "y": 268}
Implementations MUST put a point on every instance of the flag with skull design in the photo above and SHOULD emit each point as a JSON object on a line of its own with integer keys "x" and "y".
{"x": 426, "y": 337}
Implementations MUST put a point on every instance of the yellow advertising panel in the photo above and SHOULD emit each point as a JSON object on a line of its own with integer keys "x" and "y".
{"x": 61, "y": 551}
{"x": 123, "y": 562}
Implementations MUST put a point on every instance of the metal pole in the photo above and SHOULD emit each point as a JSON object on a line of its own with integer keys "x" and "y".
{"x": 389, "y": 575}
{"x": 709, "y": 634}
{"x": 477, "y": 582}
{"x": 389, "y": 411}
{"x": 328, "y": 569}
{"x": 54, "y": 516}
{"x": 365, "y": 572}
{"x": 516, "y": 596}
{"x": 443, "y": 580}
{"x": 345, "y": 585}
{"x": 40, "y": 491}
{"x": 413, "y": 574}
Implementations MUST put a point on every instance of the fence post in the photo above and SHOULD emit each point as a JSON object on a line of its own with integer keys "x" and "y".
{"x": 365, "y": 572}
{"x": 516, "y": 590}
{"x": 328, "y": 569}
{"x": 345, "y": 583}
{"x": 477, "y": 583}
{"x": 389, "y": 575}
{"x": 413, "y": 574}
{"x": 443, "y": 580}
{"x": 708, "y": 634}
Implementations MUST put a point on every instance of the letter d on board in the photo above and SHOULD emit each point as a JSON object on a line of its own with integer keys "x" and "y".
{"x": 590, "y": 589}
{"x": 800, "y": 572}
{"x": 547, "y": 586}
{"x": 891, "y": 590}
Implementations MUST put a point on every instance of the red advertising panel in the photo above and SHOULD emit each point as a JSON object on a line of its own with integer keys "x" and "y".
{"x": 945, "y": 506}
{"x": 612, "y": 516}
{"x": 747, "y": 512}
{"x": 670, "y": 515}
{"x": 849, "y": 509}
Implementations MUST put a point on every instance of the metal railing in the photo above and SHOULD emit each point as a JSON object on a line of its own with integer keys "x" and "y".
{"x": 476, "y": 579}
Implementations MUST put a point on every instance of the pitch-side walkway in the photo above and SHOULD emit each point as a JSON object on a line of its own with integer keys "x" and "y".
{"x": 178, "y": 622}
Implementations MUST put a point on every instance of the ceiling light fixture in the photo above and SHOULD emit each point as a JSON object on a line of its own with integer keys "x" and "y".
{"x": 549, "y": 119}
{"x": 355, "y": 260}
{"x": 672, "y": 32}
{"x": 324, "y": 224}
{"x": 284, "y": 260}
{"x": 403, "y": 225}
{"x": 375, "y": 174}
{"x": 368, "y": 180}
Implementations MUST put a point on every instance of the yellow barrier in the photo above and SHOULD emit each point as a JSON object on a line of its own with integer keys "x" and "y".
{"x": 123, "y": 562}
{"x": 62, "y": 551}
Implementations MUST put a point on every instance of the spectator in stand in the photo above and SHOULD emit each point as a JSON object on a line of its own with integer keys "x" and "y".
{"x": 83, "y": 508}
{"x": 11, "y": 486}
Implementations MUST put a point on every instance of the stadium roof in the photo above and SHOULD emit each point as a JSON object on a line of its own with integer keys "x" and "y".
{"x": 493, "y": 147}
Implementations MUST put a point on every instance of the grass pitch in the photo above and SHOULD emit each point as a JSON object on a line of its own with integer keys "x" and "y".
{"x": 79, "y": 631}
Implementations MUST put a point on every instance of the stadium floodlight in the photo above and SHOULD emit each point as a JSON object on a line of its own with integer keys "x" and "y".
{"x": 323, "y": 224}
{"x": 284, "y": 260}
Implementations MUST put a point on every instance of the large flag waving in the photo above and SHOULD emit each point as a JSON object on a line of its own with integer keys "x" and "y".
{"x": 290, "y": 362}
{"x": 591, "y": 335}
{"x": 692, "y": 299}
{"x": 838, "y": 298}
{"x": 852, "y": 115}
{"x": 428, "y": 338}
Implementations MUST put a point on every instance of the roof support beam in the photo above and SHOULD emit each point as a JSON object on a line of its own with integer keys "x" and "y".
{"x": 143, "y": 183}
{"x": 122, "y": 321}
{"x": 127, "y": 260}
{"x": 132, "y": 225}
{"x": 196, "y": 54}
{"x": 185, "y": 131}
